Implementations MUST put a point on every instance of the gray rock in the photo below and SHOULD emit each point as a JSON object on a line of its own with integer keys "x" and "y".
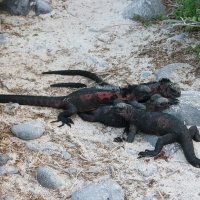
{"x": 176, "y": 37}
{"x": 16, "y": 7}
{"x": 44, "y": 147}
{"x": 14, "y": 105}
{"x": 47, "y": 178}
{"x": 148, "y": 197}
{"x": 171, "y": 69}
{"x": 145, "y": 8}
{"x": 93, "y": 30}
{"x": 164, "y": 31}
{"x": 97, "y": 61}
{"x": 107, "y": 189}
{"x": 3, "y": 38}
{"x": 120, "y": 45}
{"x": 130, "y": 152}
{"x": 42, "y": 7}
{"x": 28, "y": 130}
{"x": 45, "y": 46}
{"x": 188, "y": 110}
{"x": 146, "y": 169}
{"x": 4, "y": 159}
{"x": 146, "y": 73}
{"x": 8, "y": 170}
{"x": 66, "y": 155}
{"x": 8, "y": 198}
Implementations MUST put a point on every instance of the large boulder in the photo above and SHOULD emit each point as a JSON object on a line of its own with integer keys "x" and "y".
{"x": 188, "y": 110}
{"x": 16, "y": 7}
{"x": 22, "y": 7}
{"x": 145, "y": 8}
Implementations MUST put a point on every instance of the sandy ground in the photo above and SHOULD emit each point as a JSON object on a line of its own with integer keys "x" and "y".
{"x": 88, "y": 35}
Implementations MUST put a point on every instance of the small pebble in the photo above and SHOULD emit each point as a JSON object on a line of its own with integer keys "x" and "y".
{"x": 8, "y": 198}
{"x": 8, "y": 170}
{"x": 4, "y": 159}
{"x": 44, "y": 147}
{"x": 93, "y": 30}
{"x": 146, "y": 73}
{"x": 14, "y": 105}
{"x": 3, "y": 38}
{"x": 130, "y": 152}
{"x": 47, "y": 178}
{"x": 66, "y": 155}
{"x": 42, "y": 7}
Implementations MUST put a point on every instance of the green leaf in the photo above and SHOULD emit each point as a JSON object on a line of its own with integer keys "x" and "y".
{"x": 194, "y": 46}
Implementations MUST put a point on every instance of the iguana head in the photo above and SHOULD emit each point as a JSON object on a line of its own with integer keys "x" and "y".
{"x": 169, "y": 89}
{"x": 123, "y": 109}
{"x": 142, "y": 93}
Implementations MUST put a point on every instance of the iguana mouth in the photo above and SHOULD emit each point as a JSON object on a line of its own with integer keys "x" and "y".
{"x": 173, "y": 92}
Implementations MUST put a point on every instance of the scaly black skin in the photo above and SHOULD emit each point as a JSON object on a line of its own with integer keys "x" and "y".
{"x": 164, "y": 87}
{"x": 82, "y": 100}
{"x": 169, "y": 128}
{"x": 107, "y": 116}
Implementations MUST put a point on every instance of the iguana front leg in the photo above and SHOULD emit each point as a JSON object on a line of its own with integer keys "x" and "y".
{"x": 131, "y": 135}
{"x": 64, "y": 116}
{"x": 128, "y": 137}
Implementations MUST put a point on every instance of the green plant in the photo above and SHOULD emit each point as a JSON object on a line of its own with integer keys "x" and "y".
{"x": 188, "y": 9}
{"x": 189, "y": 13}
{"x": 148, "y": 22}
{"x": 196, "y": 50}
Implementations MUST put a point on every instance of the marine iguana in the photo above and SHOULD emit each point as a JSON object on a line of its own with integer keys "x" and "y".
{"x": 82, "y": 100}
{"x": 107, "y": 116}
{"x": 164, "y": 86}
{"x": 170, "y": 128}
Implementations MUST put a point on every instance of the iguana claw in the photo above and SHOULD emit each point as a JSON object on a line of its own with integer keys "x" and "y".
{"x": 64, "y": 121}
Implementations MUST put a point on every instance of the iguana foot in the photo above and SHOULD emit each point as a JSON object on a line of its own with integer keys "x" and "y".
{"x": 147, "y": 153}
{"x": 64, "y": 121}
{"x": 118, "y": 139}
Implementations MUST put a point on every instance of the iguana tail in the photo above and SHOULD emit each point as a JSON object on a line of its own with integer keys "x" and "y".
{"x": 84, "y": 73}
{"x": 43, "y": 101}
{"x": 71, "y": 85}
{"x": 188, "y": 149}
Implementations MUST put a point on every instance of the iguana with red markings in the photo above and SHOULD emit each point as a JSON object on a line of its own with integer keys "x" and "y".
{"x": 164, "y": 87}
{"x": 82, "y": 100}
{"x": 169, "y": 128}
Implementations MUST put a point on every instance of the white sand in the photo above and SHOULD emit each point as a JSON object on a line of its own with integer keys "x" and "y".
{"x": 64, "y": 41}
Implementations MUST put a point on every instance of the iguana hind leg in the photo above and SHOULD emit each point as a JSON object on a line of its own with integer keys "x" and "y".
{"x": 166, "y": 139}
{"x": 194, "y": 132}
{"x": 87, "y": 117}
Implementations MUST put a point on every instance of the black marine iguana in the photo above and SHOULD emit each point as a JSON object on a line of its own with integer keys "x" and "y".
{"x": 164, "y": 87}
{"x": 107, "y": 116}
{"x": 82, "y": 100}
{"x": 170, "y": 128}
